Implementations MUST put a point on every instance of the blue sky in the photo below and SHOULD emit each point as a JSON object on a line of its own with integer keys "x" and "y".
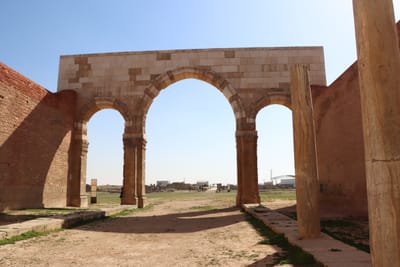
{"x": 186, "y": 142}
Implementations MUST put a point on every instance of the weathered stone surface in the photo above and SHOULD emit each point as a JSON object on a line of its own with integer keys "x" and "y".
{"x": 250, "y": 78}
{"x": 379, "y": 69}
{"x": 341, "y": 168}
{"x": 306, "y": 167}
{"x": 93, "y": 191}
{"x": 326, "y": 250}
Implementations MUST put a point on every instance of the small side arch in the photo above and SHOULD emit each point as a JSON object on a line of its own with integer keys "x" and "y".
{"x": 79, "y": 146}
{"x": 280, "y": 99}
{"x": 99, "y": 103}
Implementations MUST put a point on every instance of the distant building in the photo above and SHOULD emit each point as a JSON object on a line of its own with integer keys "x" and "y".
{"x": 202, "y": 185}
{"x": 162, "y": 184}
{"x": 284, "y": 181}
{"x": 266, "y": 185}
{"x": 180, "y": 186}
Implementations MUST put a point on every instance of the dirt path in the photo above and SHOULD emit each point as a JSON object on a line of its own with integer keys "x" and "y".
{"x": 178, "y": 233}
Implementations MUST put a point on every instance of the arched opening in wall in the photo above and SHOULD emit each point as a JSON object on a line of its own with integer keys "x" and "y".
{"x": 190, "y": 132}
{"x": 276, "y": 155}
{"x": 105, "y": 155}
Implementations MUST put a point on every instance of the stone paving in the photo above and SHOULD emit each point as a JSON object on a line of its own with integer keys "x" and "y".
{"x": 57, "y": 222}
{"x": 325, "y": 249}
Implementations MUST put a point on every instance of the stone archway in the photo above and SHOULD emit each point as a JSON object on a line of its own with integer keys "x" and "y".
{"x": 275, "y": 147}
{"x": 76, "y": 189}
{"x": 299, "y": 101}
{"x": 248, "y": 77}
{"x": 164, "y": 80}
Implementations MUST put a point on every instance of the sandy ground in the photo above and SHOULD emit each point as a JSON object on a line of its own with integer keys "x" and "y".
{"x": 178, "y": 233}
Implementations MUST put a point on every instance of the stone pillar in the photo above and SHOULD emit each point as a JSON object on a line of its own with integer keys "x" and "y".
{"x": 73, "y": 190}
{"x": 246, "y": 144}
{"x": 93, "y": 191}
{"x": 128, "y": 195}
{"x": 83, "y": 194}
{"x": 141, "y": 187}
{"x": 307, "y": 184}
{"x": 76, "y": 192}
{"x": 239, "y": 173}
{"x": 379, "y": 72}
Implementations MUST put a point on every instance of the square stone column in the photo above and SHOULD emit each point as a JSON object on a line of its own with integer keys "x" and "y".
{"x": 128, "y": 195}
{"x": 141, "y": 161}
{"x": 134, "y": 170}
{"x": 93, "y": 191}
{"x": 379, "y": 72}
{"x": 246, "y": 144}
{"x": 76, "y": 192}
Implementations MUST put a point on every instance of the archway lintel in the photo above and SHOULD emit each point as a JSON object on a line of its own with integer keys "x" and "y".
{"x": 169, "y": 77}
{"x": 101, "y": 103}
{"x": 204, "y": 74}
{"x": 283, "y": 100}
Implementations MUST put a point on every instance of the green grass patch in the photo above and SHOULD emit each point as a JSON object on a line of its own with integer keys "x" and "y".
{"x": 271, "y": 195}
{"x": 291, "y": 254}
{"x": 24, "y": 236}
{"x": 178, "y": 195}
{"x": 105, "y": 199}
{"x": 127, "y": 212}
{"x": 44, "y": 212}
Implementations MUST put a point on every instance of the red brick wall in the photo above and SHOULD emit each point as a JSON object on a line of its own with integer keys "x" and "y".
{"x": 35, "y": 133}
{"x": 340, "y": 146}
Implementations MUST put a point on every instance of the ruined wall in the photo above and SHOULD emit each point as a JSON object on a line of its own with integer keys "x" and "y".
{"x": 340, "y": 146}
{"x": 35, "y": 133}
{"x": 248, "y": 77}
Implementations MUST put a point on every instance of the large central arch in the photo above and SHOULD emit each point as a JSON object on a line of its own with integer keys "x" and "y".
{"x": 249, "y": 78}
{"x": 165, "y": 79}
{"x": 170, "y": 77}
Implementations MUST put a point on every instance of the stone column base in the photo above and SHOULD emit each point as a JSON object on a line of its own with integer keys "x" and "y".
{"x": 84, "y": 201}
{"x": 251, "y": 199}
{"x": 141, "y": 202}
{"x": 129, "y": 200}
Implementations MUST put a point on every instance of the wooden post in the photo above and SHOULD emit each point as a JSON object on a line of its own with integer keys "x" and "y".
{"x": 379, "y": 72}
{"x": 307, "y": 185}
{"x": 93, "y": 191}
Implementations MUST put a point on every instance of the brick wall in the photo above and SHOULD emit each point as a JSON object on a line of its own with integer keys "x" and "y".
{"x": 35, "y": 133}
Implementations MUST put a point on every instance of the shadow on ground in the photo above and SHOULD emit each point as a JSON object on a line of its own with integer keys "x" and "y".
{"x": 185, "y": 222}
{"x": 9, "y": 219}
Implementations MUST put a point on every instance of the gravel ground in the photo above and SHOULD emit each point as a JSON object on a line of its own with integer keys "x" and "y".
{"x": 184, "y": 232}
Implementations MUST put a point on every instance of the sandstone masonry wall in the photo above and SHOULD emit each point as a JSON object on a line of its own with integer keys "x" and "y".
{"x": 249, "y": 78}
{"x": 340, "y": 146}
{"x": 35, "y": 134}
{"x": 255, "y": 75}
